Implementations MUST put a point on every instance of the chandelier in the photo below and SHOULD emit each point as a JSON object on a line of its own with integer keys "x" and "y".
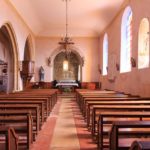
{"x": 66, "y": 41}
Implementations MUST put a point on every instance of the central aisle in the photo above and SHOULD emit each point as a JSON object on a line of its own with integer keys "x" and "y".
{"x": 65, "y": 134}
{"x": 65, "y": 128}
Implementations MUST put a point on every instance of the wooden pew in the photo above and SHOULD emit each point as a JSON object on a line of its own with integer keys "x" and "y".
{"x": 22, "y": 125}
{"x": 97, "y": 109}
{"x": 33, "y": 96}
{"x": 33, "y": 101}
{"x": 24, "y": 102}
{"x": 136, "y": 130}
{"x": 11, "y": 138}
{"x": 113, "y": 102}
{"x": 34, "y": 109}
{"x": 16, "y": 113}
{"x": 80, "y": 92}
{"x": 47, "y": 100}
{"x": 106, "y": 120}
{"x": 23, "y": 99}
{"x": 101, "y": 95}
{"x": 82, "y": 100}
{"x": 140, "y": 145}
{"x": 88, "y": 103}
{"x": 41, "y": 93}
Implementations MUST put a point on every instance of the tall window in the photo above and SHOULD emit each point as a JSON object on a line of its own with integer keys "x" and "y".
{"x": 143, "y": 44}
{"x": 105, "y": 54}
{"x": 126, "y": 41}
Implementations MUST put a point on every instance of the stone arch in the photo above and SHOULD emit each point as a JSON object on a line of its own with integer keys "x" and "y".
{"x": 73, "y": 49}
{"x": 13, "y": 66}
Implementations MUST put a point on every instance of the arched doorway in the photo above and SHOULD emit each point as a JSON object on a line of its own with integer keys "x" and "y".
{"x": 9, "y": 59}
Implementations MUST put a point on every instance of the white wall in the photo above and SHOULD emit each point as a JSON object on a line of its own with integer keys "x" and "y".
{"x": 87, "y": 47}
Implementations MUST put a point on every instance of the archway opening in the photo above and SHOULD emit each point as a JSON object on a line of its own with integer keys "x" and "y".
{"x": 7, "y": 61}
{"x": 74, "y": 67}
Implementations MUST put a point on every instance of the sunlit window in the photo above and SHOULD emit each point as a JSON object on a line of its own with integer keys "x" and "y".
{"x": 143, "y": 44}
{"x": 126, "y": 41}
{"x": 105, "y": 54}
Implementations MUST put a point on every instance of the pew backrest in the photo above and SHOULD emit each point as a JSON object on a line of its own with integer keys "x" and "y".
{"x": 117, "y": 125}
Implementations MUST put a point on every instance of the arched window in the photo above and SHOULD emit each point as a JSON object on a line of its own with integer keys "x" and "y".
{"x": 143, "y": 44}
{"x": 126, "y": 40}
{"x": 105, "y": 54}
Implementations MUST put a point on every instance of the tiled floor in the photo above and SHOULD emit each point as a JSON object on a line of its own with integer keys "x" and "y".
{"x": 64, "y": 129}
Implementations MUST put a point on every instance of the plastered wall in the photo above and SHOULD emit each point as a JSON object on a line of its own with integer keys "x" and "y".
{"x": 87, "y": 47}
{"x": 20, "y": 30}
{"x": 137, "y": 81}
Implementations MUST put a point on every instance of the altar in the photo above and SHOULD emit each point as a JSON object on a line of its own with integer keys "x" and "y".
{"x": 67, "y": 85}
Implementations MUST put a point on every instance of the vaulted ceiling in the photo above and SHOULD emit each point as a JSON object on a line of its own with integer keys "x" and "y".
{"x": 85, "y": 17}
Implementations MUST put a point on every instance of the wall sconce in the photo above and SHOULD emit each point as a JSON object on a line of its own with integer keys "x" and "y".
{"x": 49, "y": 61}
{"x": 117, "y": 67}
{"x": 107, "y": 69}
{"x": 133, "y": 62}
{"x": 99, "y": 69}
